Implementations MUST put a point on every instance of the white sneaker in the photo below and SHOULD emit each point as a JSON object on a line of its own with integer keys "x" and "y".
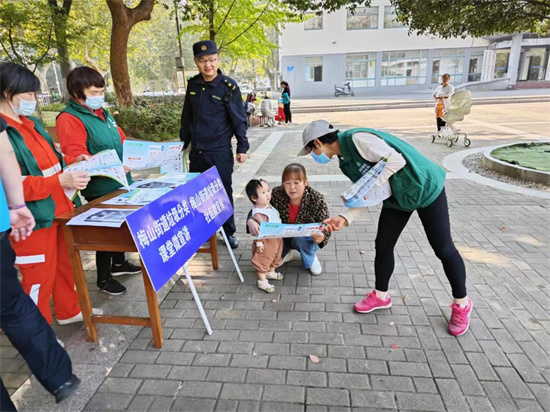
{"x": 292, "y": 254}
{"x": 316, "y": 269}
{"x": 78, "y": 318}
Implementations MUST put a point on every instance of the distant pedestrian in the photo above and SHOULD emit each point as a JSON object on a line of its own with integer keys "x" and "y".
{"x": 442, "y": 95}
{"x": 267, "y": 111}
{"x": 213, "y": 113}
{"x": 285, "y": 95}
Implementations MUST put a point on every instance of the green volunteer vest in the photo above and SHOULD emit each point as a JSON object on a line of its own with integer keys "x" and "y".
{"x": 42, "y": 210}
{"x": 102, "y": 135}
{"x": 415, "y": 186}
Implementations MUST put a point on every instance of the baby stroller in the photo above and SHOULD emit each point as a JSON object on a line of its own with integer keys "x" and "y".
{"x": 460, "y": 106}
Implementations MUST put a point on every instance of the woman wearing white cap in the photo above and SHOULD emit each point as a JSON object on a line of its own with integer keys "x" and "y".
{"x": 417, "y": 184}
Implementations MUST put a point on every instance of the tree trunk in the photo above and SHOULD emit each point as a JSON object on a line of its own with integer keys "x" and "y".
{"x": 211, "y": 13}
{"x": 60, "y": 17}
{"x": 124, "y": 19}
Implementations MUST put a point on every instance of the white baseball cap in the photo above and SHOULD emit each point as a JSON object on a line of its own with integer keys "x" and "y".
{"x": 313, "y": 131}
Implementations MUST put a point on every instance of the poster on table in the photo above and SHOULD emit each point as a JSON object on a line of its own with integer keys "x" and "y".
{"x": 168, "y": 231}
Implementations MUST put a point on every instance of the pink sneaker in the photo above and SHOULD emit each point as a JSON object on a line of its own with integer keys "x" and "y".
{"x": 372, "y": 302}
{"x": 460, "y": 318}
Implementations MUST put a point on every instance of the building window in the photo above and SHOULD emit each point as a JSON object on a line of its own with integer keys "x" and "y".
{"x": 361, "y": 69}
{"x": 390, "y": 18}
{"x": 313, "y": 22}
{"x": 314, "y": 69}
{"x": 474, "y": 68}
{"x": 404, "y": 68}
{"x": 448, "y": 61}
{"x": 501, "y": 63}
{"x": 363, "y": 18}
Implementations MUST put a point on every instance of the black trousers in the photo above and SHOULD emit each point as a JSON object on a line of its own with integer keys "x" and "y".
{"x": 440, "y": 123}
{"x": 288, "y": 115}
{"x": 104, "y": 260}
{"x": 202, "y": 160}
{"x": 435, "y": 219}
{"x": 27, "y": 330}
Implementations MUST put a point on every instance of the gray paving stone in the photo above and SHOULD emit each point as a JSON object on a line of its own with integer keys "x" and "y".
{"x": 426, "y": 385}
{"x": 495, "y": 356}
{"x": 392, "y": 383}
{"x": 307, "y": 379}
{"x": 513, "y": 382}
{"x": 346, "y": 352}
{"x": 103, "y": 401}
{"x": 249, "y": 361}
{"x": 211, "y": 359}
{"x": 138, "y": 356}
{"x": 193, "y": 404}
{"x": 160, "y": 387}
{"x": 330, "y": 397}
{"x": 236, "y": 347}
{"x": 266, "y": 376}
{"x": 280, "y": 393}
{"x": 200, "y": 389}
{"x": 452, "y": 395}
{"x": 248, "y": 406}
{"x": 278, "y": 407}
{"x": 226, "y": 374}
{"x": 372, "y": 399}
{"x": 479, "y": 404}
{"x": 178, "y": 358}
{"x": 188, "y": 373}
{"x": 121, "y": 370}
{"x": 299, "y": 349}
{"x": 528, "y": 406}
{"x": 256, "y": 336}
{"x": 120, "y": 385}
{"x": 525, "y": 368}
{"x": 141, "y": 403}
{"x": 150, "y": 371}
{"x": 410, "y": 369}
{"x": 287, "y": 362}
{"x": 438, "y": 364}
{"x": 419, "y": 401}
{"x": 482, "y": 367}
{"x": 385, "y": 354}
{"x": 499, "y": 396}
{"x": 542, "y": 393}
{"x": 263, "y": 348}
{"x": 244, "y": 391}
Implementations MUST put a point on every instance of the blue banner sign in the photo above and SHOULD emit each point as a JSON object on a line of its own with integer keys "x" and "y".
{"x": 170, "y": 229}
{"x": 289, "y": 68}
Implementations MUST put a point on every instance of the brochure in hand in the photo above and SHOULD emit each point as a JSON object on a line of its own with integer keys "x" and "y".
{"x": 365, "y": 192}
{"x": 278, "y": 230}
{"x": 105, "y": 164}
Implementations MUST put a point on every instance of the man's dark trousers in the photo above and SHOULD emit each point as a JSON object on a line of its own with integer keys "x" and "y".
{"x": 202, "y": 160}
{"x": 27, "y": 330}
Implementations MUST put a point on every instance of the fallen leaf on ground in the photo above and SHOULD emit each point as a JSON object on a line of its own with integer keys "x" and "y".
{"x": 392, "y": 323}
{"x": 405, "y": 298}
{"x": 254, "y": 354}
{"x": 274, "y": 300}
{"x": 201, "y": 284}
{"x": 314, "y": 358}
{"x": 362, "y": 252}
{"x": 395, "y": 346}
{"x": 502, "y": 228}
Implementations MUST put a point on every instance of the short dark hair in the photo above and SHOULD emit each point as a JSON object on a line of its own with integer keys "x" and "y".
{"x": 327, "y": 138}
{"x": 81, "y": 78}
{"x": 15, "y": 79}
{"x": 252, "y": 188}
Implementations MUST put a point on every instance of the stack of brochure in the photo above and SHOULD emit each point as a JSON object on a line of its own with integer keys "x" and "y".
{"x": 366, "y": 192}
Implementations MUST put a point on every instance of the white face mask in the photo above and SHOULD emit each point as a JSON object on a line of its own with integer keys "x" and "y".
{"x": 26, "y": 107}
{"x": 95, "y": 102}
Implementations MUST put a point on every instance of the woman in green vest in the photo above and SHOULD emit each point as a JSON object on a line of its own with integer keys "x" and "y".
{"x": 417, "y": 184}
{"x": 85, "y": 127}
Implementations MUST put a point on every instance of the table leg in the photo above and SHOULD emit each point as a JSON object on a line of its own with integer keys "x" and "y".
{"x": 153, "y": 305}
{"x": 81, "y": 285}
{"x": 214, "y": 252}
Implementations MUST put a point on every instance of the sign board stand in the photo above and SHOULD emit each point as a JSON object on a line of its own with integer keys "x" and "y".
{"x": 168, "y": 231}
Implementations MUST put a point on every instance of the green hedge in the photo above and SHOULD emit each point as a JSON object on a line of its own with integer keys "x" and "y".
{"x": 53, "y": 107}
{"x": 151, "y": 118}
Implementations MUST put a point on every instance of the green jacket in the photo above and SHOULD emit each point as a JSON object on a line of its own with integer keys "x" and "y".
{"x": 415, "y": 186}
{"x": 102, "y": 135}
{"x": 43, "y": 210}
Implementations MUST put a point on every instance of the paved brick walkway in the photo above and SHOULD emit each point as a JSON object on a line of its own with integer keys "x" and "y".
{"x": 258, "y": 358}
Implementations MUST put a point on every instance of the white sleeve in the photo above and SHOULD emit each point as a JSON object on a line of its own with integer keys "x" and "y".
{"x": 352, "y": 214}
{"x": 451, "y": 90}
{"x": 372, "y": 148}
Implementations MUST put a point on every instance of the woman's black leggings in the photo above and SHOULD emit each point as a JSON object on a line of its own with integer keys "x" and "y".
{"x": 288, "y": 115}
{"x": 435, "y": 219}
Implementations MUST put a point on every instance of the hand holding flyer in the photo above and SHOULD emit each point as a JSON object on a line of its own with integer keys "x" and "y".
{"x": 105, "y": 164}
{"x": 365, "y": 192}
{"x": 279, "y": 230}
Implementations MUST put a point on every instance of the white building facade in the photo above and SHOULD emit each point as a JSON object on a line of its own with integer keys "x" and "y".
{"x": 377, "y": 54}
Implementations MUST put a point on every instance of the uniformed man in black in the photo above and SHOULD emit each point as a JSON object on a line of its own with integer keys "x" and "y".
{"x": 213, "y": 112}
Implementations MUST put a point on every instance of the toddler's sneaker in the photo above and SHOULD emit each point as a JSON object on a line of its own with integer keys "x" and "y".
{"x": 460, "y": 318}
{"x": 372, "y": 302}
{"x": 266, "y": 286}
{"x": 274, "y": 276}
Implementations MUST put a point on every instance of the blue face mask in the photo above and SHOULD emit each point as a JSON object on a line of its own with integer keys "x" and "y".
{"x": 95, "y": 102}
{"x": 26, "y": 107}
{"x": 322, "y": 158}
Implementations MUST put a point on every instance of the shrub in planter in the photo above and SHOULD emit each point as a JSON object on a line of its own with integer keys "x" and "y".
{"x": 156, "y": 119}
